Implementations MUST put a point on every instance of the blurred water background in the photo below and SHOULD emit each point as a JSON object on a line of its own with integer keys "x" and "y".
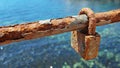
{"x": 55, "y": 51}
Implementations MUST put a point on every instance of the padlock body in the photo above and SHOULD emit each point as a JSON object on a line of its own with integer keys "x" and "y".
{"x": 92, "y": 43}
{"x": 86, "y": 45}
{"x": 78, "y": 41}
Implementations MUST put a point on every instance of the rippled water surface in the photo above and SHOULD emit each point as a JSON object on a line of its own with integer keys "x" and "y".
{"x": 55, "y": 51}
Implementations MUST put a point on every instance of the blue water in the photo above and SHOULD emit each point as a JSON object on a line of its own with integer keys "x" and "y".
{"x": 56, "y": 50}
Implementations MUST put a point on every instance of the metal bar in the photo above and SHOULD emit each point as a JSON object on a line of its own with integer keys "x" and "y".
{"x": 44, "y": 28}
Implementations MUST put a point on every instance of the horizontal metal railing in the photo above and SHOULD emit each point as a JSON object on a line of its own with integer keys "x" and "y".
{"x": 44, "y": 28}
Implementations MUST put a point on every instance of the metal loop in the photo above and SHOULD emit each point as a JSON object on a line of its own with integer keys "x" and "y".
{"x": 92, "y": 20}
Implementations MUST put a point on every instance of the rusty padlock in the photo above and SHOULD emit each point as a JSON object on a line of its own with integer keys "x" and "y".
{"x": 86, "y": 42}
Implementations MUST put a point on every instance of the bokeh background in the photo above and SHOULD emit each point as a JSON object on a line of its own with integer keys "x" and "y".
{"x": 56, "y": 51}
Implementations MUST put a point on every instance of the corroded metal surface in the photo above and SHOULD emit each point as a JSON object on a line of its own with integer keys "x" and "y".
{"x": 86, "y": 45}
{"x": 33, "y": 30}
{"x": 92, "y": 43}
{"x": 92, "y": 20}
{"x": 107, "y": 17}
{"x": 87, "y": 41}
{"x": 39, "y": 29}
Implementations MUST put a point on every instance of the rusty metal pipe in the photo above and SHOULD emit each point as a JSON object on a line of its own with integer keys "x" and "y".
{"x": 44, "y": 28}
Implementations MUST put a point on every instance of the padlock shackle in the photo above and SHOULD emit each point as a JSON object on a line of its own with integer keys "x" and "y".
{"x": 91, "y": 18}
